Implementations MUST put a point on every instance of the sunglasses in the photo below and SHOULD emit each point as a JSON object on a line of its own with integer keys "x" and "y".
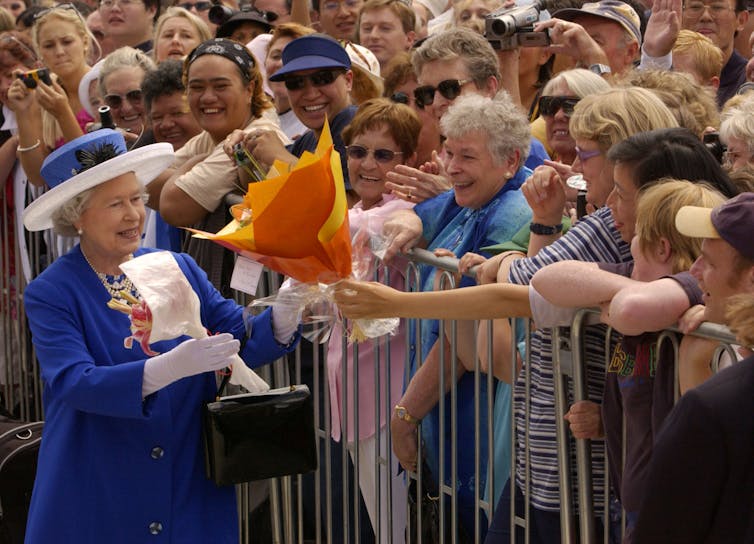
{"x": 359, "y": 152}
{"x": 115, "y": 101}
{"x": 317, "y": 79}
{"x": 549, "y": 105}
{"x": 66, "y": 6}
{"x": 14, "y": 7}
{"x": 198, "y": 6}
{"x": 449, "y": 89}
{"x": 586, "y": 155}
{"x": 400, "y": 98}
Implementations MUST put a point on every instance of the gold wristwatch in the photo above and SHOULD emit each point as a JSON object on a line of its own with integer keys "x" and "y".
{"x": 402, "y": 413}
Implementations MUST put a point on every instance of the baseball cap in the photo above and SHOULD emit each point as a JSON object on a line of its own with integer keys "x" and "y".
{"x": 310, "y": 52}
{"x": 732, "y": 221}
{"x": 613, "y": 10}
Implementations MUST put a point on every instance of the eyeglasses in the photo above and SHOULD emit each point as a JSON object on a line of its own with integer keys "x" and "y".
{"x": 115, "y": 101}
{"x": 549, "y": 105}
{"x": 731, "y": 156}
{"x": 317, "y": 79}
{"x": 198, "y": 6}
{"x": 359, "y": 152}
{"x": 110, "y": 4}
{"x": 334, "y": 6}
{"x": 586, "y": 155}
{"x": 450, "y": 89}
{"x": 400, "y": 98}
{"x": 696, "y": 9}
{"x": 67, "y": 6}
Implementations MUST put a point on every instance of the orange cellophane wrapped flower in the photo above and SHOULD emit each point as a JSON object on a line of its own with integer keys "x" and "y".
{"x": 296, "y": 222}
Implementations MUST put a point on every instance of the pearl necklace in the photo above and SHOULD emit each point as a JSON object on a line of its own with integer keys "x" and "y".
{"x": 120, "y": 287}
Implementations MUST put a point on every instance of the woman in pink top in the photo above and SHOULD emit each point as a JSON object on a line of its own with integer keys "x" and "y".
{"x": 49, "y": 115}
{"x": 382, "y": 135}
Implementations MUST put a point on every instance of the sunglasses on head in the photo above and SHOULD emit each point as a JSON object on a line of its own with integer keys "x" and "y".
{"x": 66, "y": 6}
{"x": 549, "y": 105}
{"x": 317, "y": 79}
{"x": 115, "y": 101}
{"x": 359, "y": 152}
{"x": 449, "y": 89}
{"x": 198, "y": 6}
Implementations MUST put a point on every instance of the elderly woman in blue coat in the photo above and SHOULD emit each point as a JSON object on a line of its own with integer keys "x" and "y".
{"x": 121, "y": 458}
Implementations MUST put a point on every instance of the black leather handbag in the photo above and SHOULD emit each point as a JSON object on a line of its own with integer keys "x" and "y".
{"x": 256, "y": 436}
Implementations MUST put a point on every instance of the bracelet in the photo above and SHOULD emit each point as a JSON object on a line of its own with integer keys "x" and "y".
{"x": 30, "y": 148}
{"x": 545, "y": 230}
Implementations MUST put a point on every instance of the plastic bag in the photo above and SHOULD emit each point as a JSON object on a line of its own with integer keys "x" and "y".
{"x": 174, "y": 308}
{"x": 314, "y": 304}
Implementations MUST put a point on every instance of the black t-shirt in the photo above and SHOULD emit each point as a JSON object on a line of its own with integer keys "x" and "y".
{"x": 640, "y": 384}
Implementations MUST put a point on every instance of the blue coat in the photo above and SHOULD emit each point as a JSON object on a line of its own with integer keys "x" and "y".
{"x": 114, "y": 467}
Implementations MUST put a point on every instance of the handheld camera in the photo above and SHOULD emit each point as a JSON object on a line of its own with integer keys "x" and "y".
{"x": 31, "y": 79}
{"x": 250, "y": 165}
{"x": 508, "y": 28}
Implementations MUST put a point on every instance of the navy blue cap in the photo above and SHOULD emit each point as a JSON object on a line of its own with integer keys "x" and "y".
{"x": 311, "y": 52}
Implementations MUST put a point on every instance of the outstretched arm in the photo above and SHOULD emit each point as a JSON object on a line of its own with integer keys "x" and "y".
{"x": 371, "y": 300}
{"x": 577, "y": 284}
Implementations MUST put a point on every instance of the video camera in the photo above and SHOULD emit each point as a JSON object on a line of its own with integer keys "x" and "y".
{"x": 508, "y": 28}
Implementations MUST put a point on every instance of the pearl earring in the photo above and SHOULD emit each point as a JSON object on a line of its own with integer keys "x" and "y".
{"x": 80, "y": 231}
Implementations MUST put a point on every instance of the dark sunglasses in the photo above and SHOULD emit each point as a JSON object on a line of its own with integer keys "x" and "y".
{"x": 450, "y": 89}
{"x": 198, "y": 6}
{"x": 318, "y": 79}
{"x": 400, "y": 98}
{"x": 549, "y": 105}
{"x": 115, "y": 101}
{"x": 359, "y": 152}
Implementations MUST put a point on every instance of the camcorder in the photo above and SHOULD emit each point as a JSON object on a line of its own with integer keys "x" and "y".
{"x": 508, "y": 28}
{"x": 32, "y": 79}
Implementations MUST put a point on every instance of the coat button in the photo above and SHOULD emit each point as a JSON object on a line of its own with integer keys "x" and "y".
{"x": 155, "y": 527}
{"x": 157, "y": 452}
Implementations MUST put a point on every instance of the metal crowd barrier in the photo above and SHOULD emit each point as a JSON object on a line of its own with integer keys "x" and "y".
{"x": 293, "y": 517}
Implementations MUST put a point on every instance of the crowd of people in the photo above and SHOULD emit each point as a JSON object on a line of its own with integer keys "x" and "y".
{"x": 602, "y": 156}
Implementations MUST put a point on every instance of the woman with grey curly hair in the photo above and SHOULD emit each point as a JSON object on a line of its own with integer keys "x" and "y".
{"x": 487, "y": 143}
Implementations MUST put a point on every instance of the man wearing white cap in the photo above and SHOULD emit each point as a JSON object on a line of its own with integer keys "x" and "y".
{"x": 702, "y": 470}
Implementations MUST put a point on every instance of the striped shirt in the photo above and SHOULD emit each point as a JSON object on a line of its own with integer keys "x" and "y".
{"x": 593, "y": 239}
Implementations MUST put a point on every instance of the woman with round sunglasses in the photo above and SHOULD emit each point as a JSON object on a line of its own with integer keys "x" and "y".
{"x": 381, "y": 135}
{"x": 559, "y": 96}
{"x": 120, "y": 80}
{"x": 49, "y": 114}
{"x": 177, "y": 32}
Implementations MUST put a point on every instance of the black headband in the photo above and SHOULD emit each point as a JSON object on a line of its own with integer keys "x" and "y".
{"x": 229, "y": 49}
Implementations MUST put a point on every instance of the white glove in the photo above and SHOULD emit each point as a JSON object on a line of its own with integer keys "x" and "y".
{"x": 285, "y": 313}
{"x": 187, "y": 359}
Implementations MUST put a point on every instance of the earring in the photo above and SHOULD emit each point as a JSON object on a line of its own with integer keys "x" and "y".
{"x": 80, "y": 231}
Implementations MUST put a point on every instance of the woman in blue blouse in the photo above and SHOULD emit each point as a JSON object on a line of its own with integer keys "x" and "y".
{"x": 121, "y": 458}
{"x": 486, "y": 148}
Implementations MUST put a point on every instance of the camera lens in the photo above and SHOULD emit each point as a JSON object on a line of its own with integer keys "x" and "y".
{"x": 218, "y": 14}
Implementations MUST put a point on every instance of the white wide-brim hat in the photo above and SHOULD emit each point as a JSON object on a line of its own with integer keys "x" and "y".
{"x": 88, "y": 161}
